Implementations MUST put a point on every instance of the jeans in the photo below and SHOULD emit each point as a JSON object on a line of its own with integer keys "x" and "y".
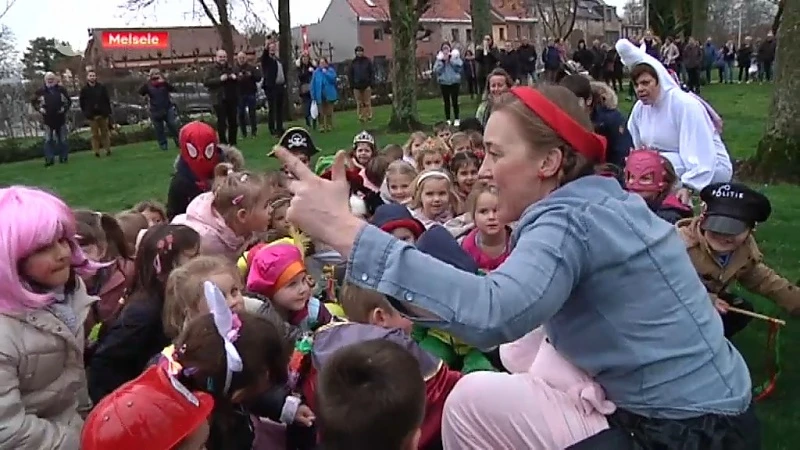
{"x": 168, "y": 120}
{"x": 226, "y": 121}
{"x": 247, "y": 113}
{"x": 310, "y": 122}
{"x": 765, "y": 74}
{"x": 450, "y": 97}
{"x": 275, "y": 99}
{"x": 55, "y": 141}
{"x": 727, "y": 71}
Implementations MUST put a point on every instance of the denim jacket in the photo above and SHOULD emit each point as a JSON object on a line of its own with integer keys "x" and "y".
{"x": 610, "y": 281}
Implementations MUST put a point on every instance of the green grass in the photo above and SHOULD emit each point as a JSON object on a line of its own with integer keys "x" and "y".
{"x": 141, "y": 171}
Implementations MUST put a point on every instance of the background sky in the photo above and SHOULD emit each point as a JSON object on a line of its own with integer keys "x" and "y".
{"x": 69, "y": 19}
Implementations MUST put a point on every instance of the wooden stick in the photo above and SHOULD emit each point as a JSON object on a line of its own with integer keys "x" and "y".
{"x": 756, "y": 315}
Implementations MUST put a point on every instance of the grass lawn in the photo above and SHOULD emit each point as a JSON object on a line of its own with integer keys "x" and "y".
{"x": 141, "y": 171}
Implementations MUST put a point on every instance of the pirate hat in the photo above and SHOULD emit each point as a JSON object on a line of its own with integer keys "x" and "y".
{"x": 297, "y": 140}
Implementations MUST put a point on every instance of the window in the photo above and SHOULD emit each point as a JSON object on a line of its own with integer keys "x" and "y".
{"x": 502, "y": 33}
{"x": 455, "y": 33}
{"x": 377, "y": 33}
{"x": 469, "y": 34}
{"x": 519, "y": 32}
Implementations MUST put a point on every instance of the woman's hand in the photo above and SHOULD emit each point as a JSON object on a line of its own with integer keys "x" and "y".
{"x": 721, "y": 305}
{"x": 319, "y": 207}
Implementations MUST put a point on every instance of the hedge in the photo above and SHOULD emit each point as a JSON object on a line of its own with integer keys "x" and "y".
{"x": 23, "y": 149}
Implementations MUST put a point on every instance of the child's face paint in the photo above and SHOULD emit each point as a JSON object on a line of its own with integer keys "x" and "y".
{"x": 725, "y": 243}
{"x": 399, "y": 188}
{"x": 485, "y": 215}
{"x": 294, "y": 296}
{"x": 405, "y": 235}
{"x": 153, "y": 217}
{"x": 232, "y": 289}
{"x": 363, "y": 153}
{"x": 435, "y": 197}
{"x": 466, "y": 178}
{"x": 50, "y": 265}
{"x": 432, "y": 161}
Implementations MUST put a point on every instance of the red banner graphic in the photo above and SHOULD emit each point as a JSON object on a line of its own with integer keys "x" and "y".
{"x": 135, "y": 39}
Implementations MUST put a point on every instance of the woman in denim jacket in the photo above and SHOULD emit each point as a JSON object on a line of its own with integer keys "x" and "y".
{"x": 610, "y": 281}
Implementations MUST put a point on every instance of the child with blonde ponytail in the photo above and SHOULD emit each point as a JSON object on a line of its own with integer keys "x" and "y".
{"x": 228, "y": 216}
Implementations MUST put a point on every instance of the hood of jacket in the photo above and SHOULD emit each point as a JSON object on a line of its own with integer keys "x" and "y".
{"x": 632, "y": 55}
{"x": 439, "y": 243}
{"x": 606, "y": 94}
{"x": 203, "y": 218}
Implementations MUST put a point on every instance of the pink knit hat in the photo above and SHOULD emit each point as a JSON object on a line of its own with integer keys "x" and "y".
{"x": 273, "y": 267}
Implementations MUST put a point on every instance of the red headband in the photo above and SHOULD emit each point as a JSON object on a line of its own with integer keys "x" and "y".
{"x": 588, "y": 144}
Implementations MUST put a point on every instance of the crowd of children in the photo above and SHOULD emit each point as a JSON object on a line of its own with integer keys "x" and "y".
{"x": 215, "y": 324}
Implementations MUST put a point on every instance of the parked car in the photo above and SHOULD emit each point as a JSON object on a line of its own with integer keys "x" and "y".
{"x": 192, "y": 98}
{"x": 121, "y": 113}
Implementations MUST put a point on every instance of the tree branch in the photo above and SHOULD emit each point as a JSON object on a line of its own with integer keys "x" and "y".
{"x": 4, "y": 10}
{"x": 421, "y": 7}
{"x": 207, "y": 10}
{"x": 273, "y": 11}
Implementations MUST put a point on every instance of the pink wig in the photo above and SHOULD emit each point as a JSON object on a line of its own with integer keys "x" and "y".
{"x": 32, "y": 219}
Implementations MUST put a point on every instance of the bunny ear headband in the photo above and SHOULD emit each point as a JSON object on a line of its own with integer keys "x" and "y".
{"x": 228, "y": 326}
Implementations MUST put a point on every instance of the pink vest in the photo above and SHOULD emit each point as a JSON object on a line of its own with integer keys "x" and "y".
{"x": 485, "y": 262}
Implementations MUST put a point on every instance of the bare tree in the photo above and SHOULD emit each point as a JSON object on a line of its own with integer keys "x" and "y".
{"x": 404, "y": 16}
{"x": 5, "y": 7}
{"x": 777, "y": 157}
{"x": 557, "y": 16}
{"x": 218, "y": 13}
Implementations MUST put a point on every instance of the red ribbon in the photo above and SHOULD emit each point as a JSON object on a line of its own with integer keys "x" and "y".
{"x": 588, "y": 144}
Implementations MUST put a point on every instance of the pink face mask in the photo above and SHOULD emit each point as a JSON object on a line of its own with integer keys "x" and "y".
{"x": 644, "y": 171}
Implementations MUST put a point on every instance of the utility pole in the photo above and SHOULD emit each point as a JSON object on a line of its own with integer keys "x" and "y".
{"x": 646, "y": 15}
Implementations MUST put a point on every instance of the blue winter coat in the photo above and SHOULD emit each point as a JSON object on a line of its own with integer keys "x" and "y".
{"x": 449, "y": 72}
{"x": 323, "y": 85}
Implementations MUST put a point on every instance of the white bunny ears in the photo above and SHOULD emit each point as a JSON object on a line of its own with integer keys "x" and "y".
{"x": 228, "y": 325}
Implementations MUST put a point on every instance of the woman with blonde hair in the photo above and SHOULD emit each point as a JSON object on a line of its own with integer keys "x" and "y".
{"x": 611, "y": 283}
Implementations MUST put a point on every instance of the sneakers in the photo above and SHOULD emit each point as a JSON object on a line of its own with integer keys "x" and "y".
{"x": 456, "y": 123}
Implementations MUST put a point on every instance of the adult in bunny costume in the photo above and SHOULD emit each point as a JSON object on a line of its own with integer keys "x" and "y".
{"x": 448, "y": 68}
{"x": 679, "y": 125}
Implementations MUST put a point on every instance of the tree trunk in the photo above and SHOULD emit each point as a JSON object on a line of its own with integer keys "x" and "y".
{"x": 285, "y": 49}
{"x": 700, "y": 20}
{"x": 404, "y": 71}
{"x": 225, "y": 29}
{"x": 481, "y": 20}
{"x": 778, "y": 155}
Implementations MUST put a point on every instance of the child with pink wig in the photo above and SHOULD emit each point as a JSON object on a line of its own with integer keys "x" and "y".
{"x": 43, "y": 304}
{"x": 545, "y": 403}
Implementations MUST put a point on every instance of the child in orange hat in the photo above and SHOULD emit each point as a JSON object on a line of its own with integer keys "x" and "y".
{"x": 278, "y": 272}
{"x": 153, "y": 411}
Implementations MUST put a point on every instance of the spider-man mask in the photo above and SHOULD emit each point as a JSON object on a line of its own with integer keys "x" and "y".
{"x": 644, "y": 171}
{"x": 200, "y": 150}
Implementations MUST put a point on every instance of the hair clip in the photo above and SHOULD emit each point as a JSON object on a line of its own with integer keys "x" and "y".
{"x": 243, "y": 178}
{"x": 238, "y": 199}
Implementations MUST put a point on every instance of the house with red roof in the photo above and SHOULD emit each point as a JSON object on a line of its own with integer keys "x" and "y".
{"x": 347, "y": 24}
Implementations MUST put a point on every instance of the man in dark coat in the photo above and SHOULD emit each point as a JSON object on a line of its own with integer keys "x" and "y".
{"x": 96, "y": 108}
{"x": 766, "y": 56}
{"x": 162, "y": 111}
{"x": 248, "y": 77}
{"x": 361, "y": 77}
{"x": 509, "y": 61}
{"x": 274, "y": 85}
{"x": 223, "y": 85}
{"x": 53, "y": 102}
{"x": 527, "y": 60}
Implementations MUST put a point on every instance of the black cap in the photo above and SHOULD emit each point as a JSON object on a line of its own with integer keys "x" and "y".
{"x": 733, "y": 208}
{"x": 298, "y": 140}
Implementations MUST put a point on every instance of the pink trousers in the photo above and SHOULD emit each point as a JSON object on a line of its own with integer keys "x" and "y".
{"x": 547, "y": 404}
